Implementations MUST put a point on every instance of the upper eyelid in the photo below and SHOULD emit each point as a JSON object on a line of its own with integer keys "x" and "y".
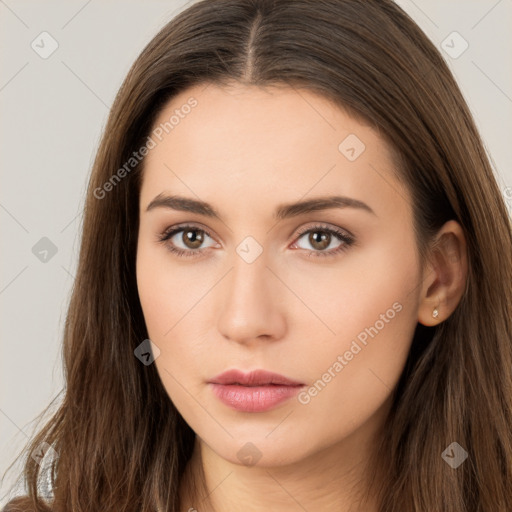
{"x": 327, "y": 227}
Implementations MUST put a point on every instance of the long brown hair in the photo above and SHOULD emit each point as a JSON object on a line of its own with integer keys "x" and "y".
{"x": 120, "y": 443}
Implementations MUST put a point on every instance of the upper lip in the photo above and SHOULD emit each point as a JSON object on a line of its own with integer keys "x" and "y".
{"x": 254, "y": 378}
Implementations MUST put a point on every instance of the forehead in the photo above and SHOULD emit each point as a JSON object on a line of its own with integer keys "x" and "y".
{"x": 249, "y": 143}
{"x": 275, "y": 116}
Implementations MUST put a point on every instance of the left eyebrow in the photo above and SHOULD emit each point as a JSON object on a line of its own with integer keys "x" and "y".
{"x": 283, "y": 211}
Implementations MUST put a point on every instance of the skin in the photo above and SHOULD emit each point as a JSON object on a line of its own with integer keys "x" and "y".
{"x": 246, "y": 150}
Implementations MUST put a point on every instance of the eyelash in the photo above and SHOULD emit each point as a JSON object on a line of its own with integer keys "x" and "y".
{"x": 347, "y": 240}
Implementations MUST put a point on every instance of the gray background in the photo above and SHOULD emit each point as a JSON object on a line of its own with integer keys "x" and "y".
{"x": 52, "y": 113}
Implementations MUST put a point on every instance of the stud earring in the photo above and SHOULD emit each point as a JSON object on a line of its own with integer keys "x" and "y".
{"x": 435, "y": 313}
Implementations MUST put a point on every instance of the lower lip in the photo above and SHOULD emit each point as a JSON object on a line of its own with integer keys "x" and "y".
{"x": 253, "y": 399}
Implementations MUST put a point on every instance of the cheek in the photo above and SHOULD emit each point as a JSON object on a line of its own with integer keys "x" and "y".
{"x": 352, "y": 377}
{"x": 173, "y": 300}
{"x": 168, "y": 292}
{"x": 373, "y": 312}
{"x": 367, "y": 290}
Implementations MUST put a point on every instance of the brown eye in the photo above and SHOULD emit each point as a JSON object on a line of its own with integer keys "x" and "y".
{"x": 192, "y": 238}
{"x": 186, "y": 240}
{"x": 319, "y": 239}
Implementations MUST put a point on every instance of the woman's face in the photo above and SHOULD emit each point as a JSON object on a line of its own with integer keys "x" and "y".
{"x": 326, "y": 296}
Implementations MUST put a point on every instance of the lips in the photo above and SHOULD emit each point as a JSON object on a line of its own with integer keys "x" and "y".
{"x": 253, "y": 379}
{"x": 257, "y": 391}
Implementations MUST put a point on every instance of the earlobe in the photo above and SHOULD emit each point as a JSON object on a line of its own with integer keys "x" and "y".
{"x": 430, "y": 316}
{"x": 447, "y": 270}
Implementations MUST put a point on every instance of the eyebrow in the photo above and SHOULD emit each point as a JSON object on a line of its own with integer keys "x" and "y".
{"x": 283, "y": 211}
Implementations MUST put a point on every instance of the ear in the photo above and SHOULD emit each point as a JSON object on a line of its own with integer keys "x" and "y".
{"x": 444, "y": 276}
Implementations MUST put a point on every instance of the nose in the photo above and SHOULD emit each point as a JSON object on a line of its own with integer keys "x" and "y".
{"x": 251, "y": 307}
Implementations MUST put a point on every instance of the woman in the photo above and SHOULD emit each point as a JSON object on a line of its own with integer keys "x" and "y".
{"x": 294, "y": 280}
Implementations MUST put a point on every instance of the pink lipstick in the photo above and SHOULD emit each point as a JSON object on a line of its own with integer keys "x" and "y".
{"x": 257, "y": 391}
